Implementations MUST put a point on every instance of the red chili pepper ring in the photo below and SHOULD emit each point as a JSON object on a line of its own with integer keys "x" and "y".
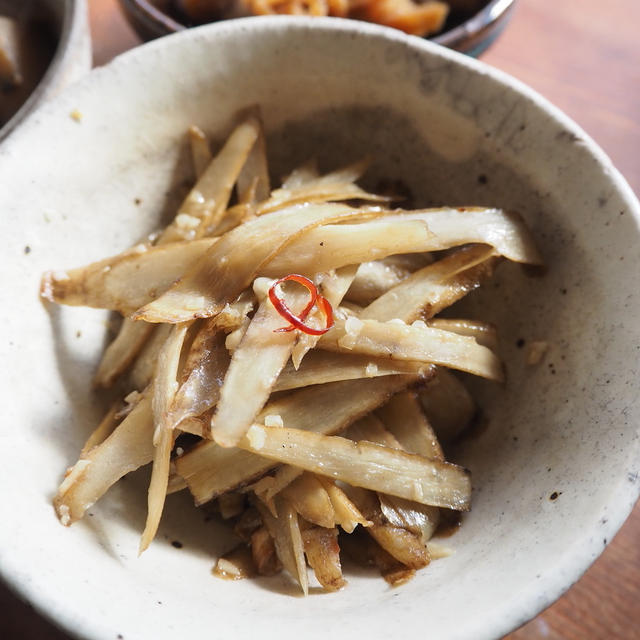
{"x": 297, "y": 321}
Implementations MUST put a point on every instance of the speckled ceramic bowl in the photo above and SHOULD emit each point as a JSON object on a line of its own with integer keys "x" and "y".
{"x": 555, "y": 470}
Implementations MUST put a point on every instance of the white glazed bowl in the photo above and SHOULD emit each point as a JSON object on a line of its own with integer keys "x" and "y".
{"x": 456, "y": 132}
{"x": 69, "y": 23}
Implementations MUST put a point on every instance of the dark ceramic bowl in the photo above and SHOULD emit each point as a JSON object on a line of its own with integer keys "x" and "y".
{"x": 468, "y": 32}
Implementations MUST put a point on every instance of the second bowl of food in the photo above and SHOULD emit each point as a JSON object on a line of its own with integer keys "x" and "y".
{"x": 469, "y": 26}
{"x": 470, "y": 225}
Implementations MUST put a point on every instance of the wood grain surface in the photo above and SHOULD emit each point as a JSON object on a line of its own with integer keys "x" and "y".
{"x": 584, "y": 56}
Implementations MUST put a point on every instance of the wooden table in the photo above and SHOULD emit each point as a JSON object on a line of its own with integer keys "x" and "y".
{"x": 584, "y": 56}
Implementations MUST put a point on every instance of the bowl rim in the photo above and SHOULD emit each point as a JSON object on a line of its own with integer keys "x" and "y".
{"x": 478, "y": 23}
{"x": 149, "y": 11}
{"x": 63, "y": 67}
{"x": 527, "y": 603}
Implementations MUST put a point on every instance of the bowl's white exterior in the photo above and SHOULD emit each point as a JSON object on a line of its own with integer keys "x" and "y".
{"x": 456, "y": 132}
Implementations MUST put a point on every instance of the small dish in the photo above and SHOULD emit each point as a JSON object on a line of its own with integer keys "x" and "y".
{"x": 469, "y": 31}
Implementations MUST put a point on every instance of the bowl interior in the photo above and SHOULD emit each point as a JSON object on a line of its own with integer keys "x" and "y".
{"x": 456, "y": 133}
